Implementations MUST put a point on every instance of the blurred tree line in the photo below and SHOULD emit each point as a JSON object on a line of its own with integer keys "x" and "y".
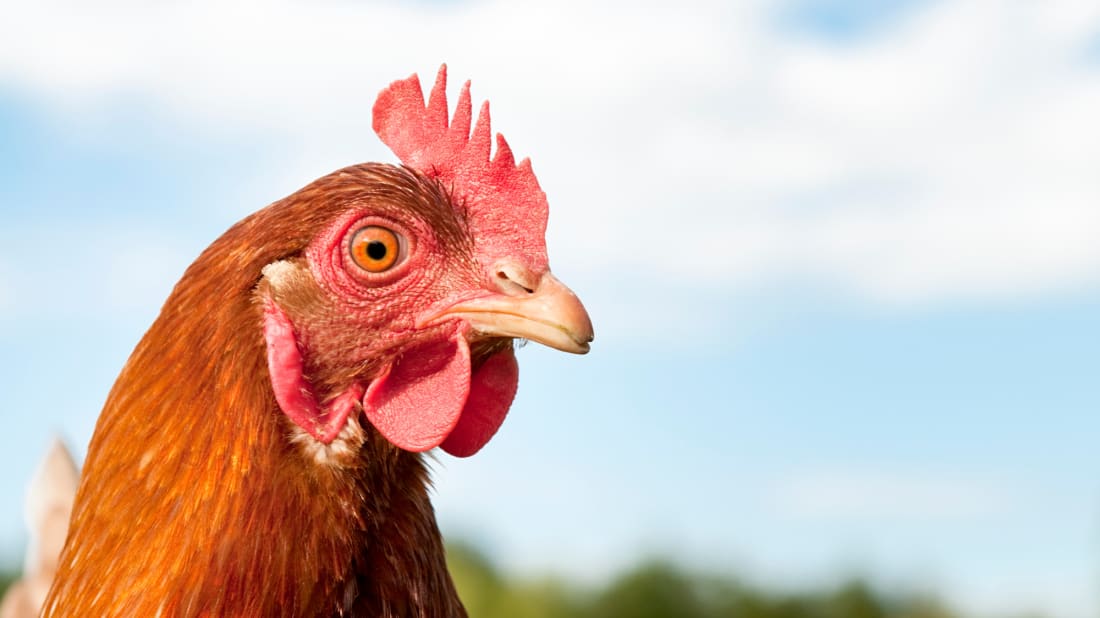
{"x": 6, "y": 579}
{"x": 657, "y": 589}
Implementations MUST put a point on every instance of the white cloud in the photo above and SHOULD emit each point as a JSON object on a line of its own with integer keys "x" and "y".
{"x": 950, "y": 156}
{"x": 121, "y": 270}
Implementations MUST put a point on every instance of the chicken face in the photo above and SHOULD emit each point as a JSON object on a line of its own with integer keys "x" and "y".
{"x": 395, "y": 308}
{"x": 407, "y": 302}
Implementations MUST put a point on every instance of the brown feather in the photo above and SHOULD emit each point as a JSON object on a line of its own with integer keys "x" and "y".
{"x": 195, "y": 500}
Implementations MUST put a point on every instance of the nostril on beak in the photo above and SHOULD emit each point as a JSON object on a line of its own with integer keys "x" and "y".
{"x": 515, "y": 280}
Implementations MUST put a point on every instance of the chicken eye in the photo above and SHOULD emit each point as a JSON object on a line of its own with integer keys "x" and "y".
{"x": 375, "y": 249}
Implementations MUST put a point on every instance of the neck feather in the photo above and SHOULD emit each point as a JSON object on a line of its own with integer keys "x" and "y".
{"x": 197, "y": 500}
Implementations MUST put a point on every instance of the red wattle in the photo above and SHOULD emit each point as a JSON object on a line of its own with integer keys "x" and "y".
{"x": 419, "y": 400}
{"x": 427, "y": 398}
{"x": 492, "y": 389}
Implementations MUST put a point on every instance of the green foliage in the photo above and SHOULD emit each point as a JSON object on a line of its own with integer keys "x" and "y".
{"x": 656, "y": 589}
{"x": 660, "y": 589}
{"x": 6, "y": 580}
{"x": 652, "y": 590}
{"x": 487, "y": 593}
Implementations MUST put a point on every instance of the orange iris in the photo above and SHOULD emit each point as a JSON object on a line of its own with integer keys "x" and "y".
{"x": 375, "y": 249}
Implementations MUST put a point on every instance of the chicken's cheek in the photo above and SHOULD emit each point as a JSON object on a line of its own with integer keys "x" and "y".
{"x": 292, "y": 391}
{"x": 492, "y": 390}
{"x": 417, "y": 403}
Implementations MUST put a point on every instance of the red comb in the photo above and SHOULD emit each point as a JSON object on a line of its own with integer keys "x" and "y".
{"x": 506, "y": 208}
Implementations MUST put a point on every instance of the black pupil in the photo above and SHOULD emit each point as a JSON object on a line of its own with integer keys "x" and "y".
{"x": 376, "y": 249}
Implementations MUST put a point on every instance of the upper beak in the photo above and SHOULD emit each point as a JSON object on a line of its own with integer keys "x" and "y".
{"x": 550, "y": 314}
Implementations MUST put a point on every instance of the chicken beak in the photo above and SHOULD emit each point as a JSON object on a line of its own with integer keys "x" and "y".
{"x": 551, "y": 314}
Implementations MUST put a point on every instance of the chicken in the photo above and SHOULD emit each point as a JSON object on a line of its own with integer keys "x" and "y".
{"x": 260, "y": 453}
{"x": 49, "y": 505}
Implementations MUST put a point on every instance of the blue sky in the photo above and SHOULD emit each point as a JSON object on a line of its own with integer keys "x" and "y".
{"x": 872, "y": 350}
